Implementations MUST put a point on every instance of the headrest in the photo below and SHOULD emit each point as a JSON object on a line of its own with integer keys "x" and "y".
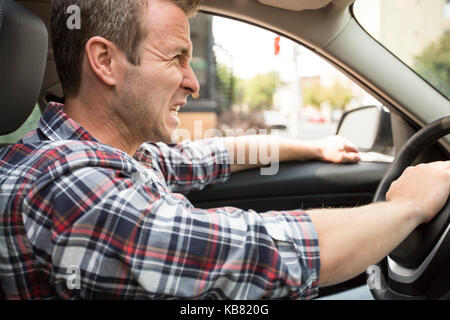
{"x": 23, "y": 53}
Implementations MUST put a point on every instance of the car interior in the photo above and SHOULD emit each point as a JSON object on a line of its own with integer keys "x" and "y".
{"x": 419, "y": 124}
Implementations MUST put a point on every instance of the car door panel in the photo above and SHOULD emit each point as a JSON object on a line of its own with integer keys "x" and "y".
{"x": 296, "y": 185}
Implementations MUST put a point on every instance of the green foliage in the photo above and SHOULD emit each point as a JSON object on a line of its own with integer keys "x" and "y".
{"x": 238, "y": 90}
{"x": 338, "y": 95}
{"x": 314, "y": 95}
{"x": 434, "y": 64}
{"x": 258, "y": 91}
{"x": 224, "y": 73}
{"x": 227, "y": 84}
{"x": 30, "y": 124}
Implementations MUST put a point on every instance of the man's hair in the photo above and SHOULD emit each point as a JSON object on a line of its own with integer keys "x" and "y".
{"x": 119, "y": 21}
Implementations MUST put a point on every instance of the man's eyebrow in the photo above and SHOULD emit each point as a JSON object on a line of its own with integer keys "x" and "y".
{"x": 184, "y": 48}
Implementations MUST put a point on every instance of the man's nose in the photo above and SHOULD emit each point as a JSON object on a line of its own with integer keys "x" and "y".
{"x": 190, "y": 81}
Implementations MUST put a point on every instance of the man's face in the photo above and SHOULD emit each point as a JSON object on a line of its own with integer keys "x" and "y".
{"x": 150, "y": 94}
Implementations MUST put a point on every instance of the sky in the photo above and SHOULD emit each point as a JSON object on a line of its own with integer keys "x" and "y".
{"x": 251, "y": 51}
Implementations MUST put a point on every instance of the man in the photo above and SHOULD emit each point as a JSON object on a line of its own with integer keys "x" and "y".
{"x": 93, "y": 211}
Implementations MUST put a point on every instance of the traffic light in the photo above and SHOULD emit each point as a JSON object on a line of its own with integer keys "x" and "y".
{"x": 277, "y": 45}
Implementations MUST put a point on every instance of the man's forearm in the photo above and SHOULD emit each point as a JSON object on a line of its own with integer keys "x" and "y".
{"x": 350, "y": 240}
{"x": 253, "y": 151}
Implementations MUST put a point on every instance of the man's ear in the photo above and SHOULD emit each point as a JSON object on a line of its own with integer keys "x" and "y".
{"x": 100, "y": 54}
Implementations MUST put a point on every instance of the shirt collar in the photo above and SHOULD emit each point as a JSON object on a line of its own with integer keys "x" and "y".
{"x": 56, "y": 125}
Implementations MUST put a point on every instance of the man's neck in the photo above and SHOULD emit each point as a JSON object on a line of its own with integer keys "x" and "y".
{"x": 102, "y": 125}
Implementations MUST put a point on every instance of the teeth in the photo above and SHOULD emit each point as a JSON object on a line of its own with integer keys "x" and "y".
{"x": 174, "y": 111}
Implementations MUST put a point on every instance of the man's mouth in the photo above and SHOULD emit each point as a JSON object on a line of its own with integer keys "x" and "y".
{"x": 174, "y": 110}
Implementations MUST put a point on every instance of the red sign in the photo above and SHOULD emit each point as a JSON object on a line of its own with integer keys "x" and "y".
{"x": 277, "y": 45}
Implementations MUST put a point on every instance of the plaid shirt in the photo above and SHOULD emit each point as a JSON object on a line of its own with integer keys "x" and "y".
{"x": 80, "y": 219}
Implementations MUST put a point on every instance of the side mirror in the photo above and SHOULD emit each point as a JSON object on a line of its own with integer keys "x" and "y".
{"x": 369, "y": 128}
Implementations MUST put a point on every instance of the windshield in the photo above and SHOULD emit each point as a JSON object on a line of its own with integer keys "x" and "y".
{"x": 416, "y": 31}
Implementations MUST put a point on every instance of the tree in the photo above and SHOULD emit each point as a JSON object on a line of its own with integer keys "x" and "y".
{"x": 433, "y": 64}
{"x": 259, "y": 90}
{"x": 314, "y": 95}
{"x": 337, "y": 96}
{"x": 227, "y": 83}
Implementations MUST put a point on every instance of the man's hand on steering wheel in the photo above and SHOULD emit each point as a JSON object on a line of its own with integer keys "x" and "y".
{"x": 425, "y": 186}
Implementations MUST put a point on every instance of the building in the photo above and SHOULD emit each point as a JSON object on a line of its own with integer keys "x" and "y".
{"x": 405, "y": 27}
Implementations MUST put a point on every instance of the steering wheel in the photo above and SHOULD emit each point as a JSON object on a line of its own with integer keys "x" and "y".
{"x": 420, "y": 266}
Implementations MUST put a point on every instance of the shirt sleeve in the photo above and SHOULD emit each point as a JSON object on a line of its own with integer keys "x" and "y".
{"x": 189, "y": 165}
{"x": 127, "y": 241}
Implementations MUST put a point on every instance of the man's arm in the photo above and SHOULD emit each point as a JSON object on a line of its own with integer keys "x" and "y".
{"x": 189, "y": 165}
{"x": 116, "y": 227}
{"x": 247, "y": 152}
{"x": 352, "y": 239}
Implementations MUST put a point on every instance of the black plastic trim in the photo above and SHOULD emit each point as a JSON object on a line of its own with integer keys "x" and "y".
{"x": 296, "y": 179}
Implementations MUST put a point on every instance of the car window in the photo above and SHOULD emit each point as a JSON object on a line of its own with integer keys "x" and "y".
{"x": 29, "y": 125}
{"x": 258, "y": 82}
{"x": 416, "y": 31}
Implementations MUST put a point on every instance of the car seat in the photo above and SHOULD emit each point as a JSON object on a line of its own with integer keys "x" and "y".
{"x": 23, "y": 54}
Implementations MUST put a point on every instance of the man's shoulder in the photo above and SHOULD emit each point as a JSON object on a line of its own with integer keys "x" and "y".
{"x": 45, "y": 156}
